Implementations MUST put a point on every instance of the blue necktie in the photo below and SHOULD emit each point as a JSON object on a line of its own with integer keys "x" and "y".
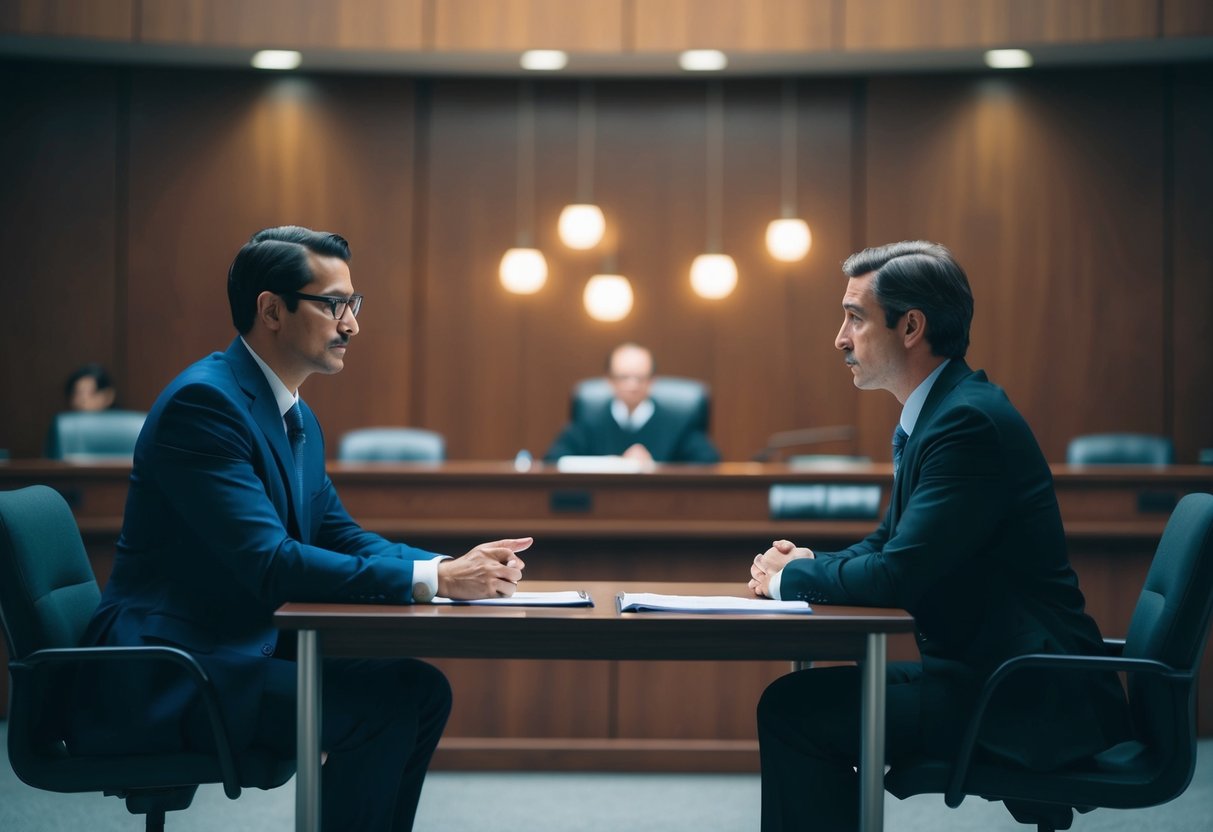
{"x": 294, "y": 432}
{"x": 900, "y": 438}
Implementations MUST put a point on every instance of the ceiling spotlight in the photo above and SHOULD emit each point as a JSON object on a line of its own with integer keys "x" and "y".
{"x": 277, "y": 59}
{"x": 544, "y": 60}
{"x": 703, "y": 60}
{"x": 1008, "y": 59}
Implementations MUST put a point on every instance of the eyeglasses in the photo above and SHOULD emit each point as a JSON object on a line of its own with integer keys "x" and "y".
{"x": 337, "y": 305}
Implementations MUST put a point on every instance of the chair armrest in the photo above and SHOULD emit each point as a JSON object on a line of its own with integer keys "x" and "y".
{"x": 172, "y": 655}
{"x": 955, "y": 792}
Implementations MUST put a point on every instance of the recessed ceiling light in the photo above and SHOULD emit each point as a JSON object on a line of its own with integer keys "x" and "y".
{"x": 1008, "y": 59}
{"x": 703, "y": 60}
{"x": 544, "y": 60}
{"x": 277, "y": 59}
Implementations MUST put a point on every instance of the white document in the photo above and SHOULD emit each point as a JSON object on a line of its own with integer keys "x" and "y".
{"x": 601, "y": 465}
{"x": 642, "y": 601}
{"x": 566, "y": 598}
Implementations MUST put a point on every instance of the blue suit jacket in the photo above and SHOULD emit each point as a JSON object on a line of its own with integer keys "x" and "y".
{"x": 213, "y": 542}
{"x": 973, "y": 546}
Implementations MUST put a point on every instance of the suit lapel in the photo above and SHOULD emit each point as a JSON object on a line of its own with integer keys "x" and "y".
{"x": 956, "y": 372}
{"x": 263, "y": 407}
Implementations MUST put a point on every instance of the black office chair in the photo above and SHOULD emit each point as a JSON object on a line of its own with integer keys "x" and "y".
{"x": 1161, "y": 656}
{"x": 391, "y": 445}
{"x": 1120, "y": 449}
{"x": 670, "y": 393}
{"x": 94, "y": 436}
{"x": 47, "y": 596}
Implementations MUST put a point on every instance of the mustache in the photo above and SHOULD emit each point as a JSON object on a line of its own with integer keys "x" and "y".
{"x": 848, "y": 358}
{"x": 340, "y": 341}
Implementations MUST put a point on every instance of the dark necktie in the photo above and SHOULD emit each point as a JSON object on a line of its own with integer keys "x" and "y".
{"x": 294, "y": 432}
{"x": 899, "y": 444}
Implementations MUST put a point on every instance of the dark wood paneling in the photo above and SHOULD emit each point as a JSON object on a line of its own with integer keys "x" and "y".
{"x": 766, "y": 350}
{"x": 293, "y": 24}
{"x": 755, "y": 26}
{"x": 1049, "y": 189}
{"x": 58, "y": 218}
{"x": 1191, "y": 218}
{"x": 214, "y": 157}
{"x": 102, "y": 19}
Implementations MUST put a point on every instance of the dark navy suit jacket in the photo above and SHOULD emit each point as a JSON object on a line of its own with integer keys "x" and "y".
{"x": 213, "y": 541}
{"x": 669, "y": 437}
{"x": 973, "y": 546}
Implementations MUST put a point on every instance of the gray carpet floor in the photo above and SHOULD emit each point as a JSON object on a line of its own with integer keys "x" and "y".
{"x": 564, "y": 802}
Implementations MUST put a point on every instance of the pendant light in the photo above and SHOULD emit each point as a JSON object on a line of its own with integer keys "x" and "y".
{"x": 524, "y": 269}
{"x": 714, "y": 274}
{"x": 788, "y": 238}
{"x": 582, "y": 224}
{"x": 608, "y": 294}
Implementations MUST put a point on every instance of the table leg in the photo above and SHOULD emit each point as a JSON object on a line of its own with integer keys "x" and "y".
{"x": 307, "y": 735}
{"x": 871, "y": 752}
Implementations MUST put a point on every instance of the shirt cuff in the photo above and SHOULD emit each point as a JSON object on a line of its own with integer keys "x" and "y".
{"x": 425, "y": 579}
{"x": 773, "y": 586}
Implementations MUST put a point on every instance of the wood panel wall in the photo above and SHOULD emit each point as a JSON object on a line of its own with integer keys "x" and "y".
{"x": 1075, "y": 199}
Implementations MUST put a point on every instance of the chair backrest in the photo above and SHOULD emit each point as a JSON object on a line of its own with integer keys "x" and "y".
{"x": 48, "y": 591}
{"x": 391, "y": 445}
{"x": 92, "y": 436}
{"x": 1171, "y": 624}
{"x": 671, "y": 393}
{"x": 1120, "y": 449}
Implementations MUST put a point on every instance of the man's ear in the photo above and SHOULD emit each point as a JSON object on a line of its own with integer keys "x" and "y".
{"x": 915, "y": 330}
{"x": 270, "y": 310}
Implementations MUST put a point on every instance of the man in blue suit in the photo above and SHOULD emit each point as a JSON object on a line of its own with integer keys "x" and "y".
{"x": 230, "y": 513}
{"x": 972, "y": 545}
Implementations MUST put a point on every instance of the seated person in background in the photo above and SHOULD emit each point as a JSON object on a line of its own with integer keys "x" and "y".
{"x": 230, "y": 514}
{"x": 632, "y": 425}
{"x": 972, "y": 545}
{"x": 89, "y": 388}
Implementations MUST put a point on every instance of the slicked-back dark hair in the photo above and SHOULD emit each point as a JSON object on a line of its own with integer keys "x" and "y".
{"x": 917, "y": 274}
{"x": 276, "y": 260}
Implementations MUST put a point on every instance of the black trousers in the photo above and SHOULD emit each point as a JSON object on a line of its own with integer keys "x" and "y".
{"x": 809, "y": 742}
{"x": 382, "y": 720}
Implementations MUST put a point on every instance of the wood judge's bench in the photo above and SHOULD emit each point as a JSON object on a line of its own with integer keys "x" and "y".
{"x": 678, "y": 523}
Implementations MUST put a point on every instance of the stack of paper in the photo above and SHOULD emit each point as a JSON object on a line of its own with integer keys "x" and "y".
{"x": 568, "y": 598}
{"x": 641, "y": 601}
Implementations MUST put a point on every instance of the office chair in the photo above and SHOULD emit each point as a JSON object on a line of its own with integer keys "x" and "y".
{"x": 670, "y": 393}
{"x": 95, "y": 436}
{"x": 1161, "y": 655}
{"x": 1120, "y": 449}
{"x": 47, "y": 596}
{"x": 391, "y": 445}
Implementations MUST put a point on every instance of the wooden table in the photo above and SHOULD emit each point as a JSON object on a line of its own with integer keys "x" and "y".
{"x": 600, "y": 632}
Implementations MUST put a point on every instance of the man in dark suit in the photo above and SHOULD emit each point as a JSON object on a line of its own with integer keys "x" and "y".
{"x": 631, "y": 424}
{"x": 230, "y": 513}
{"x": 972, "y": 545}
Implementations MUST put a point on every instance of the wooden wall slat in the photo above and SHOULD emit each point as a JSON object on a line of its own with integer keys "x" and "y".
{"x": 950, "y": 24}
{"x": 215, "y": 157}
{"x": 507, "y": 25}
{"x": 759, "y": 25}
{"x": 58, "y": 223}
{"x": 1187, "y": 18}
{"x": 1049, "y": 189}
{"x": 292, "y": 24}
{"x": 101, "y": 19}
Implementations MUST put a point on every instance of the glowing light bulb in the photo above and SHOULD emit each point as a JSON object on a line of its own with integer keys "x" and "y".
{"x": 713, "y": 276}
{"x": 789, "y": 240}
{"x": 608, "y": 297}
{"x": 523, "y": 271}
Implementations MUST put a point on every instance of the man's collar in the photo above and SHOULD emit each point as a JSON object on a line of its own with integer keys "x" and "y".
{"x": 914, "y": 402}
{"x": 284, "y": 397}
{"x": 635, "y": 420}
